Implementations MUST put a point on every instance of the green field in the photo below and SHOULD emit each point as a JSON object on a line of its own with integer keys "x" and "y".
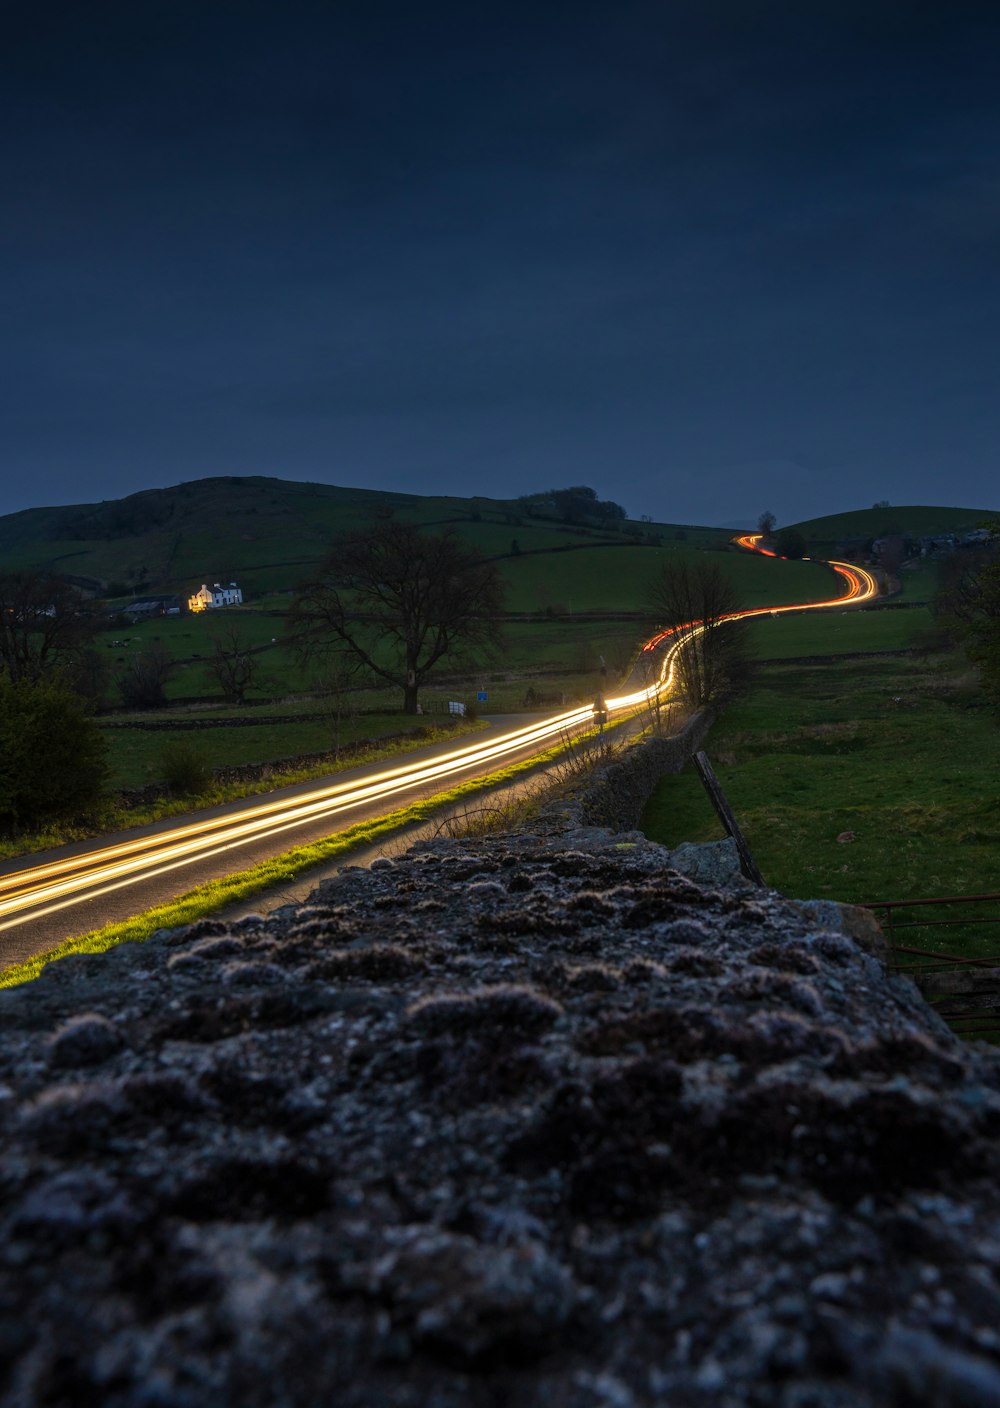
{"x": 918, "y": 580}
{"x": 135, "y": 754}
{"x": 811, "y": 633}
{"x": 898, "y": 752}
{"x": 616, "y": 578}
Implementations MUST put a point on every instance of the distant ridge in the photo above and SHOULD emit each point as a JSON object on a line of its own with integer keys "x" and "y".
{"x": 268, "y": 533}
{"x": 920, "y": 520}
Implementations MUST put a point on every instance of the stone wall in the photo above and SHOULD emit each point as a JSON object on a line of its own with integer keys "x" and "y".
{"x": 529, "y": 1121}
{"x": 617, "y": 794}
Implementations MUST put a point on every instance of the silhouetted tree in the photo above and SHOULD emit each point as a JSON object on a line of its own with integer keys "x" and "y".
{"x": 337, "y": 680}
{"x": 143, "y": 680}
{"x": 790, "y": 543}
{"x": 44, "y": 625}
{"x": 892, "y": 552}
{"x": 403, "y": 601}
{"x": 714, "y": 663}
{"x": 574, "y": 504}
{"x": 580, "y": 504}
{"x": 766, "y": 523}
{"x": 234, "y": 663}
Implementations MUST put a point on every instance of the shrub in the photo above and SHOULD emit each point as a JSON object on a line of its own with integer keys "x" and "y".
{"x": 143, "y": 679}
{"x": 52, "y": 753}
{"x": 183, "y": 768}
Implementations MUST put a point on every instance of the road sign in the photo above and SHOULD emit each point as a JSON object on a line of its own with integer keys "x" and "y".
{"x": 482, "y": 697}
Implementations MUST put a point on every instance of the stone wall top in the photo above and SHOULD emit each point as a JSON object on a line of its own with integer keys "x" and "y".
{"x": 536, "y": 1120}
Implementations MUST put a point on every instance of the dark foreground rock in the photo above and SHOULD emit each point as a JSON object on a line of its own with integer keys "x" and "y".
{"x": 519, "y": 1122}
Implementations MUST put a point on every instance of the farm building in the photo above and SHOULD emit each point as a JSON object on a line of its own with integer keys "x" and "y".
{"x": 209, "y": 598}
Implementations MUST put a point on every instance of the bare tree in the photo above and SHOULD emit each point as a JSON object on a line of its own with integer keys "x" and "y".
{"x": 142, "y": 681}
{"x": 766, "y": 523}
{"x": 700, "y": 594}
{"x": 234, "y": 664}
{"x": 658, "y": 709}
{"x": 402, "y": 601}
{"x": 337, "y": 677}
{"x": 44, "y": 625}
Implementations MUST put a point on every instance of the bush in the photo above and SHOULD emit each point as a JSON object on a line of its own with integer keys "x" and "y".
{"x": 183, "y": 768}
{"x": 790, "y": 543}
{"x": 52, "y": 753}
{"x": 143, "y": 679}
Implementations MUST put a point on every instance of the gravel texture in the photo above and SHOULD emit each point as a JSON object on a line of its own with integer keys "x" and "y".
{"x": 531, "y": 1121}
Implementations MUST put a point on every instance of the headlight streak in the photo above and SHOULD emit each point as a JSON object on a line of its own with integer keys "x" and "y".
{"x": 34, "y": 892}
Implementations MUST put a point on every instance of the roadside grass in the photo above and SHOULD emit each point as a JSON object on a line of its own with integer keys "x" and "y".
{"x": 209, "y": 898}
{"x": 898, "y": 753}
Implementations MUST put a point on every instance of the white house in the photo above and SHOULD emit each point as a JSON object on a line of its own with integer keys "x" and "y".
{"x": 208, "y": 598}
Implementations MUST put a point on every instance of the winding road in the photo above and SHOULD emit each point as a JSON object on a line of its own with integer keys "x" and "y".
{"x": 47, "y": 898}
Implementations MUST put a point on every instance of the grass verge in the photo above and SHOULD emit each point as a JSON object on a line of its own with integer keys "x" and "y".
{"x": 278, "y": 870}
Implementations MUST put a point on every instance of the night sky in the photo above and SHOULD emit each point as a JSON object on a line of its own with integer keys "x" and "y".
{"x": 710, "y": 258}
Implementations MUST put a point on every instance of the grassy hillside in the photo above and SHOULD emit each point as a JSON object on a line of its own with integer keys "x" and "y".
{"x": 266, "y": 533}
{"x": 918, "y": 519}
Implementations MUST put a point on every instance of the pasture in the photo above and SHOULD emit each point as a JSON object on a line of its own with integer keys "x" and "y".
{"x": 854, "y": 779}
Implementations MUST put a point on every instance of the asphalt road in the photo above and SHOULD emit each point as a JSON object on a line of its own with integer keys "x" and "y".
{"x": 53, "y": 895}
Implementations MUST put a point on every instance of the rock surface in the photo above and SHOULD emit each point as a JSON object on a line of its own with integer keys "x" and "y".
{"x": 530, "y": 1121}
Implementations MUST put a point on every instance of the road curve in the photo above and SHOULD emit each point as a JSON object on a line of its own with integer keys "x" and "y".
{"x": 860, "y": 586}
{"x": 76, "y": 889}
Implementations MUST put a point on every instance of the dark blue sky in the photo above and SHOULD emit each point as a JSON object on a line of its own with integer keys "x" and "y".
{"x": 708, "y": 257}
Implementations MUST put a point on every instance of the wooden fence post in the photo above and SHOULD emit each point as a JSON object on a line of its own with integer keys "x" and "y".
{"x": 725, "y": 814}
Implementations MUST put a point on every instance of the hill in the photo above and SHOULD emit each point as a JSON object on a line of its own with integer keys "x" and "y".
{"x": 268, "y": 533}
{"x": 920, "y": 520}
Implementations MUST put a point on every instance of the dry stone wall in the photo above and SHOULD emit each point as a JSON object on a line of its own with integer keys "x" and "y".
{"x": 532, "y": 1121}
{"x": 616, "y": 795}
